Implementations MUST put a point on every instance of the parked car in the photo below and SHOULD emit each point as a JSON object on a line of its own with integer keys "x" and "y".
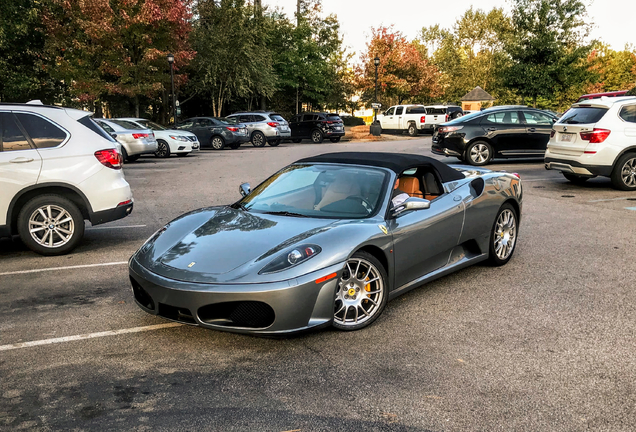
{"x": 135, "y": 140}
{"x": 600, "y": 95}
{"x": 264, "y": 127}
{"x": 321, "y": 243}
{"x": 169, "y": 141}
{"x": 413, "y": 118}
{"x": 317, "y": 127}
{"x": 596, "y": 138}
{"x": 506, "y": 132}
{"x": 454, "y": 111}
{"x": 57, "y": 168}
{"x": 216, "y": 132}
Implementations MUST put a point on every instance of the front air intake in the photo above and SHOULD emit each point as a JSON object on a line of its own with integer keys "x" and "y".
{"x": 247, "y": 314}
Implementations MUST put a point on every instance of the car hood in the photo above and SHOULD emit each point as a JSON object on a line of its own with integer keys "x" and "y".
{"x": 225, "y": 245}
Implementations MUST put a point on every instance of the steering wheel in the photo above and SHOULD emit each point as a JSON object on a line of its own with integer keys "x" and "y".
{"x": 368, "y": 207}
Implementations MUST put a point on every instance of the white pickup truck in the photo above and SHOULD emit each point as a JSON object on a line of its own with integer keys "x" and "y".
{"x": 412, "y": 118}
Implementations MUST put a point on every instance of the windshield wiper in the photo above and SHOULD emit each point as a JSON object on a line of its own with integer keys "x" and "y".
{"x": 239, "y": 206}
{"x": 286, "y": 213}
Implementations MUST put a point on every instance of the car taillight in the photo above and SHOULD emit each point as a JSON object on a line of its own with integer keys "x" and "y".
{"x": 552, "y": 133}
{"x": 232, "y": 128}
{"x": 446, "y": 117}
{"x": 423, "y": 119}
{"x": 273, "y": 124}
{"x": 596, "y": 136}
{"x": 109, "y": 158}
{"x": 446, "y": 129}
{"x": 140, "y": 135}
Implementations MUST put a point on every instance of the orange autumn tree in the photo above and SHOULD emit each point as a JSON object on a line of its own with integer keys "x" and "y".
{"x": 404, "y": 73}
{"x": 116, "y": 48}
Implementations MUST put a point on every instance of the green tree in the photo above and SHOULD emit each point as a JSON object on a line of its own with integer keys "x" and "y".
{"x": 547, "y": 49}
{"x": 614, "y": 70}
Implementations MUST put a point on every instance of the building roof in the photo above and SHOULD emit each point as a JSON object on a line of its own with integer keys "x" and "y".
{"x": 396, "y": 162}
{"x": 477, "y": 94}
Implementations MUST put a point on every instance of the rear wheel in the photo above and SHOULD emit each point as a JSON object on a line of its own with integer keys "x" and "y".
{"x": 362, "y": 292}
{"x": 316, "y": 136}
{"x": 576, "y": 179}
{"x": 217, "y": 142}
{"x": 479, "y": 153}
{"x": 412, "y": 129}
{"x": 296, "y": 140}
{"x": 133, "y": 158}
{"x": 274, "y": 143}
{"x": 50, "y": 225}
{"x": 258, "y": 139}
{"x": 503, "y": 237}
{"x": 334, "y": 139}
{"x": 624, "y": 173}
{"x": 163, "y": 149}
{"x": 235, "y": 145}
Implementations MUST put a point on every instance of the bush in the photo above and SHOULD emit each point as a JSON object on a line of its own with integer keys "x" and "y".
{"x": 352, "y": 121}
{"x": 632, "y": 92}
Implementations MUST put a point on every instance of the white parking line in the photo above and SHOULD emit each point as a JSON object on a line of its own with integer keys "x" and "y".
{"x": 87, "y": 336}
{"x": 612, "y": 199}
{"x": 63, "y": 268}
{"x": 116, "y": 227}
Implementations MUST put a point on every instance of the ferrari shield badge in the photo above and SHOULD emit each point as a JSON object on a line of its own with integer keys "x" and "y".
{"x": 383, "y": 228}
{"x": 191, "y": 264}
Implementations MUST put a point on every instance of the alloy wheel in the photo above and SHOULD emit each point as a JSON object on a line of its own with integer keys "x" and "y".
{"x": 51, "y": 226}
{"x": 505, "y": 234}
{"x": 217, "y": 143}
{"x": 360, "y": 293}
{"x": 162, "y": 150}
{"x": 479, "y": 153}
{"x": 628, "y": 173}
{"x": 316, "y": 137}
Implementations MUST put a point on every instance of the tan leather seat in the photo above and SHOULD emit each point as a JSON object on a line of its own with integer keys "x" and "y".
{"x": 341, "y": 188}
{"x": 431, "y": 187}
{"x": 411, "y": 186}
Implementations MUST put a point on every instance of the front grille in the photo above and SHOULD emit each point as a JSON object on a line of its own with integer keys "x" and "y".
{"x": 176, "y": 313}
{"x": 248, "y": 314}
{"x": 142, "y": 297}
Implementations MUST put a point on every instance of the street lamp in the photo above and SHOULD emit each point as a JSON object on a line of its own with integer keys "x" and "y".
{"x": 376, "y": 129}
{"x": 170, "y": 58}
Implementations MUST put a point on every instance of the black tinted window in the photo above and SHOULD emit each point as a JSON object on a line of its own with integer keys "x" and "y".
{"x": 333, "y": 117}
{"x": 186, "y": 124}
{"x": 628, "y": 113}
{"x": 435, "y": 111}
{"x": 399, "y": 110}
{"x": 106, "y": 127}
{"x": 583, "y": 115}
{"x": 276, "y": 117}
{"x": 12, "y": 137}
{"x": 245, "y": 118}
{"x": 310, "y": 117}
{"x": 90, "y": 123}
{"x": 128, "y": 124}
{"x": 415, "y": 110}
{"x": 258, "y": 118}
{"x": 43, "y": 133}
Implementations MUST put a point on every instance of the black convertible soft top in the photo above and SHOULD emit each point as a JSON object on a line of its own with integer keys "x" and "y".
{"x": 397, "y": 162}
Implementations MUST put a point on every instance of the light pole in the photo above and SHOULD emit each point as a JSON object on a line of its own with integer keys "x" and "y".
{"x": 376, "y": 129}
{"x": 174, "y": 97}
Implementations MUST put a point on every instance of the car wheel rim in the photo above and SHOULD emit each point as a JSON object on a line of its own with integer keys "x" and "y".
{"x": 217, "y": 143}
{"x": 360, "y": 293}
{"x": 316, "y": 136}
{"x": 505, "y": 234}
{"x": 628, "y": 173}
{"x": 51, "y": 226}
{"x": 479, "y": 153}
{"x": 163, "y": 150}
{"x": 257, "y": 140}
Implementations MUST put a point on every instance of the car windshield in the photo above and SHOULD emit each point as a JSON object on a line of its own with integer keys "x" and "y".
{"x": 583, "y": 115}
{"x": 127, "y": 124}
{"x": 320, "y": 191}
{"x": 151, "y": 125}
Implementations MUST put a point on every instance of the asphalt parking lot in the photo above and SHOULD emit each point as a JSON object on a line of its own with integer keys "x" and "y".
{"x": 546, "y": 342}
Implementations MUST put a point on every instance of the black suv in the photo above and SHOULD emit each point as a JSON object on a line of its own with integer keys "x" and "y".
{"x": 510, "y": 131}
{"x": 317, "y": 127}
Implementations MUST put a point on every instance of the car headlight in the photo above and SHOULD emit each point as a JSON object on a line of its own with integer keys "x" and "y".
{"x": 291, "y": 258}
{"x": 178, "y": 138}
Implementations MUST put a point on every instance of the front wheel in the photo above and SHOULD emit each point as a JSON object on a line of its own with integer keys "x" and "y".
{"x": 50, "y": 225}
{"x": 362, "y": 292}
{"x": 624, "y": 173}
{"x": 412, "y": 130}
{"x": 163, "y": 149}
{"x": 316, "y": 136}
{"x": 503, "y": 237}
{"x": 334, "y": 139}
{"x": 479, "y": 153}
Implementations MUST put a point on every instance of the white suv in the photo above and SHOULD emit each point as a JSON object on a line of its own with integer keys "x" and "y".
{"x": 596, "y": 138}
{"x": 57, "y": 168}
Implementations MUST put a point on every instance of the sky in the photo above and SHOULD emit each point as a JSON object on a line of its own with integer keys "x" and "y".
{"x": 613, "y": 19}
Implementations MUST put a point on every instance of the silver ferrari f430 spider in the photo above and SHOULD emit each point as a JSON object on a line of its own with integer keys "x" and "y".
{"x": 327, "y": 240}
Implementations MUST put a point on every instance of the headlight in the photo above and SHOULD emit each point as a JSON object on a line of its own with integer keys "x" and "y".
{"x": 291, "y": 258}
{"x": 178, "y": 138}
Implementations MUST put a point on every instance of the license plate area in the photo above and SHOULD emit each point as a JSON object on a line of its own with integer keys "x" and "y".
{"x": 567, "y": 137}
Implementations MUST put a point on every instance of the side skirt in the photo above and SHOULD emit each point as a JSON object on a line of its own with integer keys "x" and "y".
{"x": 463, "y": 263}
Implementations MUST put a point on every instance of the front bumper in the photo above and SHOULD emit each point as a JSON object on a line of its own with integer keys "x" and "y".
{"x": 267, "y": 309}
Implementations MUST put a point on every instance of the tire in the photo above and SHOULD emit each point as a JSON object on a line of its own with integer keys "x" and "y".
{"x": 412, "y": 130}
{"x": 355, "y": 289}
{"x": 258, "y": 139}
{"x": 316, "y": 136}
{"x": 133, "y": 158}
{"x": 235, "y": 145}
{"x": 124, "y": 154}
{"x": 624, "y": 173}
{"x": 576, "y": 179}
{"x": 296, "y": 140}
{"x": 43, "y": 210}
{"x": 217, "y": 142}
{"x": 504, "y": 234}
{"x": 479, "y": 153}
{"x": 275, "y": 143}
{"x": 334, "y": 139}
{"x": 163, "y": 149}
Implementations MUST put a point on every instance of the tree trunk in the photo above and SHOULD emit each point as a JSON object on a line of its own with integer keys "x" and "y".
{"x": 136, "y": 105}
{"x": 99, "y": 113}
{"x": 263, "y": 103}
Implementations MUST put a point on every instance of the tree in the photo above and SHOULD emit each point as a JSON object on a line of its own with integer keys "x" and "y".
{"x": 116, "y": 48}
{"x": 547, "y": 49}
{"x": 614, "y": 70}
{"x": 403, "y": 74}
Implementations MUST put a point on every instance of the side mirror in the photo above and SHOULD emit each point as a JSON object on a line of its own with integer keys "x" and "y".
{"x": 410, "y": 204}
{"x": 244, "y": 189}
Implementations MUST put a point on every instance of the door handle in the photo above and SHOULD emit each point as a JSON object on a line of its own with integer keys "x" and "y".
{"x": 491, "y": 129}
{"x": 21, "y": 160}
{"x": 532, "y": 130}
